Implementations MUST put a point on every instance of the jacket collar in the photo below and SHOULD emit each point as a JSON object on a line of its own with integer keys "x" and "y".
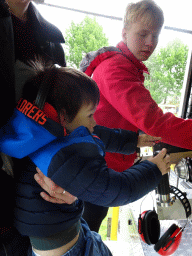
{"x": 125, "y": 50}
{"x": 93, "y": 59}
{"x": 43, "y": 28}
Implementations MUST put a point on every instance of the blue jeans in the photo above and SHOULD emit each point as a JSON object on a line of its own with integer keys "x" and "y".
{"x": 88, "y": 244}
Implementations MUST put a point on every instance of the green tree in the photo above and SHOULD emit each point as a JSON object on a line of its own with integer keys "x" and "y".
{"x": 167, "y": 69}
{"x": 82, "y": 38}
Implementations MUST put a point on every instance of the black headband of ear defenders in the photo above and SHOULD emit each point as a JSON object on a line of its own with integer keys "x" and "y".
{"x": 44, "y": 89}
{"x": 25, "y": 107}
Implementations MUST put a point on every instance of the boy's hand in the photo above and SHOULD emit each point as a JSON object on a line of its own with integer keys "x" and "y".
{"x": 162, "y": 161}
{"x": 145, "y": 140}
{"x": 56, "y": 194}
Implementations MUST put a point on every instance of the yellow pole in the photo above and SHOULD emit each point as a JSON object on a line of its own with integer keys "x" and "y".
{"x": 172, "y": 167}
{"x": 114, "y": 223}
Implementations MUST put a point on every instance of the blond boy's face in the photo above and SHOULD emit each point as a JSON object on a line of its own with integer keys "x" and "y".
{"x": 141, "y": 39}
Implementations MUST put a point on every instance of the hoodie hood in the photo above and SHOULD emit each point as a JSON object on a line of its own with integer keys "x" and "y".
{"x": 27, "y": 130}
{"x": 93, "y": 59}
{"x": 81, "y": 136}
{"x": 30, "y": 132}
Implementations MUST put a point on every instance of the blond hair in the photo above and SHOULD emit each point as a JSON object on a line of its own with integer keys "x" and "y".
{"x": 147, "y": 11}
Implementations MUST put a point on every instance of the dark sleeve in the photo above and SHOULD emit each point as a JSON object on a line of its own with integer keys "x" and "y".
{"x": 89, "y": 179}
{"x": 7, "y": 95}
{"x": 117, "y": 140}
{"x": 59, "y": 55}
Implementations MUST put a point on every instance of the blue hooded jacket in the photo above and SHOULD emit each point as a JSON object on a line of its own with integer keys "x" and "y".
{"x": 75, "y": 162}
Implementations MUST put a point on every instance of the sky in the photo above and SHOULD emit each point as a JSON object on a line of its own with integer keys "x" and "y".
{"x": 177, "y": 14}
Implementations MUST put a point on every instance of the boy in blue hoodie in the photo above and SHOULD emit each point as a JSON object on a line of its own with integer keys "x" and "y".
{"x": 53, "y": 128}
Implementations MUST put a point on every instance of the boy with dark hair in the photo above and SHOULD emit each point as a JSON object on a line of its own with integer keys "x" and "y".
{"x": 56, "y": 131}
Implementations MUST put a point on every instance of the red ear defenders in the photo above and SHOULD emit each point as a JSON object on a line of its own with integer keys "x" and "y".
{"x": 149, "y": 227}
{"x": 149, "y": 230}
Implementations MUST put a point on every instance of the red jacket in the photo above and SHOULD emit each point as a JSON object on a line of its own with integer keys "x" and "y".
{"x": 125, "y": 103}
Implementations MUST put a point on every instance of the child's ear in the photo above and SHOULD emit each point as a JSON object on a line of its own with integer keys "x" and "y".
{"x": 62, "y": 117}
{"x": 63, "y": 120}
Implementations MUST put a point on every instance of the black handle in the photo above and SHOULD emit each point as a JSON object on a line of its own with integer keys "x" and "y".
{"x": 163, "y": 187}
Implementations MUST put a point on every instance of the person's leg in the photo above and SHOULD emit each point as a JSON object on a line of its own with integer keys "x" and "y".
{"x": 94, "y": 215}
{"x": 35, "y": 254}
{"x": 88, "y": 244}
{"x": 94, "y": 245}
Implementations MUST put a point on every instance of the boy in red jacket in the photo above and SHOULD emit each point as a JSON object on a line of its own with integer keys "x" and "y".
{"x": 124, "y": 101}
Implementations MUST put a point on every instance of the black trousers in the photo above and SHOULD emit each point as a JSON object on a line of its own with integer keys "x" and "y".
{"x": 12, "y": 243}
{"x": 94, "y": 215}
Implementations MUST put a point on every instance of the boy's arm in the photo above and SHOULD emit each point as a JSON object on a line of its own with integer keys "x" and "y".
{"x": 141, "y": 184}
{"x": 117, "y": 140}
{"x": 123, "y": 141}
{"x": 89, "y": 179}
{"x": 109, "y": 188}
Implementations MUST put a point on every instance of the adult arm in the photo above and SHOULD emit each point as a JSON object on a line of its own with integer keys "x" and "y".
{"x": 116, "y": 140}
{"x": 7, "y": 95}
{"x": 119, "y": 83}
{"x": 55, "y": 194}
